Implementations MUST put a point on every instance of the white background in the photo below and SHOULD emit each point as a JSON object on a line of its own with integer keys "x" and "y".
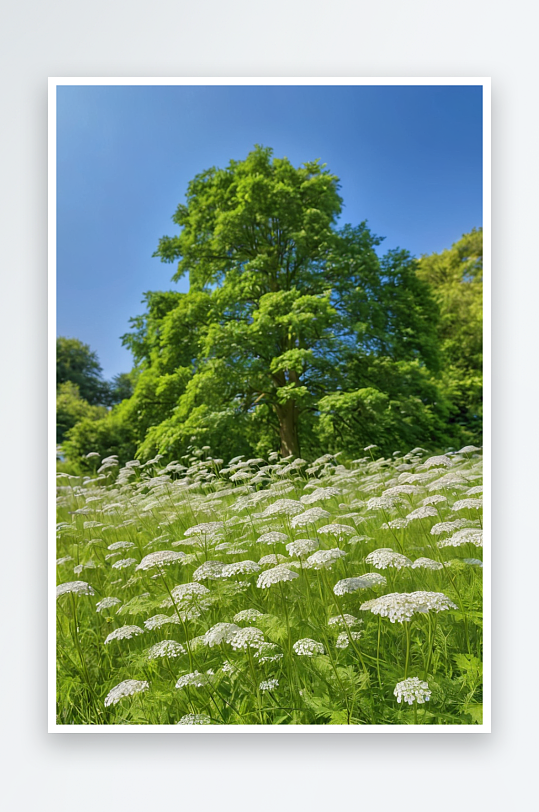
{"x": 164, "y": 38}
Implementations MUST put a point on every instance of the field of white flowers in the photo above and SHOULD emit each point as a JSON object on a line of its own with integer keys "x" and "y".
{"x": 271, "y": 592}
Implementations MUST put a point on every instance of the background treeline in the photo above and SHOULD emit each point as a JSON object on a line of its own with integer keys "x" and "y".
{"x": 295, "y": 334}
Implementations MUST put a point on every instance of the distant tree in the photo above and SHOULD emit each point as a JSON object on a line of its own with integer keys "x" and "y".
{"x": 119, "y": 388}
{"x": 71, "y": 408}
{"x": 456, "y": 279}
{"x": 75, "y": 362}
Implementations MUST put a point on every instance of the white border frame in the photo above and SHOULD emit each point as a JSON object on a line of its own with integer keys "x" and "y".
{"x": 53, "y": 83}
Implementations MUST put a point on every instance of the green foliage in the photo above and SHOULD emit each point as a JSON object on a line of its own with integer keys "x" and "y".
{"x": 108, "y": 435}
{"x": 456, "y": 278}
{"x": 72, "y": 408}
{"x": 75, "y": 362}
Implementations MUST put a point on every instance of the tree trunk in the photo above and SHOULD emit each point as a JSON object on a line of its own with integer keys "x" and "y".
{"x": 288, "y": 428}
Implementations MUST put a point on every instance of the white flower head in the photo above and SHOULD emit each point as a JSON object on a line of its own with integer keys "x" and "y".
{"x": 209, "y": 571}
{"x": 273, "y": 537}
{"x": 126, "y": 688}
{"x": 283, "y": 507}
{"x": 274, "y": 576}
{"x": 186, "y": 595}
{"x": 249, "y": 637}
{"x": 412, "y": 690}
{"x": 324, "y": 559}
{"x": 447, "y": 527}
{"x": 424, "y": 512}
{"x": 273, "y": 558}
{"x": 124, "y": 633}
{"x": 337, "y": 530}
{"x": 309, "y": 517}
{"x": 239, "y": 568}
{"x": 269, "y": 685}
{"x": 308, "y": 648}
{"x": 247, "y": 615}
{"x": 302, "y": 547}
{"x": 385, "y": 557}
{"x": 401, "y": 607}
{"x": 75, "y": 588}
{"x": 195, "y": 719}
{"x": 157, "y": 621}
{"x": 468, "y": 504}
{"x": 367, "y": 581}
{"x": 121, "y": 545}
{"x": 165, "y": 648}
{"x": 343, "y": 640}
{"x": 123, "y": 563}
{"x": 106, "y": 603}
{"x": 193, "y": 680}
{"x": 268, "y": 653}
{"x": 468, "y": 535}
{"x": 220, "y": 633}
{"x": 160, "y": 558}
{"x": 344, "y": 620}
{"x": 427, "y": 564}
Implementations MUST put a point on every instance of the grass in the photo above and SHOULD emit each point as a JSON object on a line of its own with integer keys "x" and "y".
{"x": 351, "y": 658}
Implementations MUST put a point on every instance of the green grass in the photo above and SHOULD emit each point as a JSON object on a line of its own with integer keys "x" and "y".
{"x": 153, "y": 508}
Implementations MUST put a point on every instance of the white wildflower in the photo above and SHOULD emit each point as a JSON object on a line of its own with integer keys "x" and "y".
{"x": 74, "y": 587}
{"x": 193, "y": 680}
{"x": 126, "y": 688}
{"x": 381, "y": 502}
{"x": 273, "y": 537}
{"x": 283, "y": 507}
{"x": 275, "y": 576}
{"x": 308, "y": 648}
{"x": 123, "y": 563}
{"x": 268, "y": 653}
{"x": 324, "y": 559}
{"x": 160, "y": 558}
{"x": 209, "y": 570}
{"x": 269, "y": 685}
{"x": 311, "y": 516}
{"x": 424, "y": 512}
{"x": 195, "y": 719}
{"x": 187, "y": 594}
{"x": 468, "y": 504}
{"x": 412, "y": 690}
{"x": 124, "y": 633}
{"x": 427, "y": 564}
{"x": 467, "y": 535}
{"x": 343, "y": 640}
{"x": 249, "y": 637}
{"x": 273, "y": 559}
{"x": 165, "y": 648}
{"x": 64, "y": 560}
{"x": 401, "y": 607}
{"x": 337, "y": 530}
{"x": 220, "y": 633}
{"x": 157, "y": 621}
{"x": 247, "y": 615}
{"x": 395, "y": 524}
{"x": 204, "y": 529}
{"x": 436, "y": 462}
{"x": 367, "y": 581}
{"x": 121, "y": 545}
{"x": 386, "y": 557}
{"x": 239, "y": 568}
{"x": 106, "y": 603}
{"x": 344, "y": 620}
{"x": 320, "y": 495}
{"x": 447, "y": 527}
{"x": 436, "y": 499}
{"x": 302, "y": 547}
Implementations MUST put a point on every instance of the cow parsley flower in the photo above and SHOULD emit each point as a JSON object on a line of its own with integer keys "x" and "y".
{"x": 302, "y": 547}
{"x": 343, "y": 620}
{"x": 401, "y": 607}
{"x": 436, "y": 499}
{"x": 412, "y": 690}
{"x": 220, "y": 633}
{"x": 195, "y": 719}
{"x": 273, "y": 537}
{"x": 275, "y": 576}
{"x": 74, "y": 587}
{"x": 64, "y": 560}
{"x": 106, "y": 603}
{"x": 447, "y": 527}
{"x": 126, "y": 688}
{"x": 381, "y": 502}
{"x": 283, "y": 507}
{"x": 427, "y": 564}
{"x": 324, "y": 559}
{"x": 165, "y": 648}
{"x": 124, "y": 633}
{"x": 436, "y": 462}
{"x": 157, "y": 621}
{"x": 320, "y": 495}
{"x": 204, "y": 529}
{"x": 269, "y": 685}
{"x": 343, "y": 640}
{"x": 273, "y": 559}
{"x": 468, "y": 535}
{"x": 123, "y": 563}
{"x": 395, "y": 524}
{"x": 187, "y": 595}
{"x": 268, "y": 653}
{"x": 160, "y": 558}
{"x": 121, "y": 545}
{"x": 385, "y": 557}
{"x": 337, "y": 530}
{"x": 468, "y": 504}
{"x": 239, "y": 568}
{"x": 193, "y": 680}
{"x": 308, "y": 648}
{"x": 367, "y": 581}
{"x": 249, "y": 637}
{"x": 424, "y": 512}
{"x": 310, "y": 516}
{"x": 209, "y": 571}
{"x": 247, "y": 615}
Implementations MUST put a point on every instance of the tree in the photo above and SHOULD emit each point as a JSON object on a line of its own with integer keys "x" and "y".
{"x": 71, "y": 408}
{"x": 456, "y": 278}
{"x": 291, "y": 326}
{"x": 76, "y": 362}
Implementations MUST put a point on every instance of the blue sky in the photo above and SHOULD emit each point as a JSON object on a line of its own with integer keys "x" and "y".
{"x": 409, "y": 159}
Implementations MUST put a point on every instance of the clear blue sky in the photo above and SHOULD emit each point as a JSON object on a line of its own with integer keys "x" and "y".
{"x": 409, "y": 159}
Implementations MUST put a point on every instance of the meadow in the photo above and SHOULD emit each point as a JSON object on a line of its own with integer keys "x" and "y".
{"x": 271, "y": 592}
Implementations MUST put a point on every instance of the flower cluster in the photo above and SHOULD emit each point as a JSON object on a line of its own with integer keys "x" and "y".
{"x": 385, "y": 557}
{"x": 412, "y": 690}
{"x": 126, "y": 688}
{"x": 401, "y": 607}
{"x": 308, "y": 648}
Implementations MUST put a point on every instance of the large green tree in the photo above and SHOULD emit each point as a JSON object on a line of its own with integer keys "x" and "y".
{"x": 455, "y": 277}
{"x": 77, "y": 363}
{"x": 293, "y": 328}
